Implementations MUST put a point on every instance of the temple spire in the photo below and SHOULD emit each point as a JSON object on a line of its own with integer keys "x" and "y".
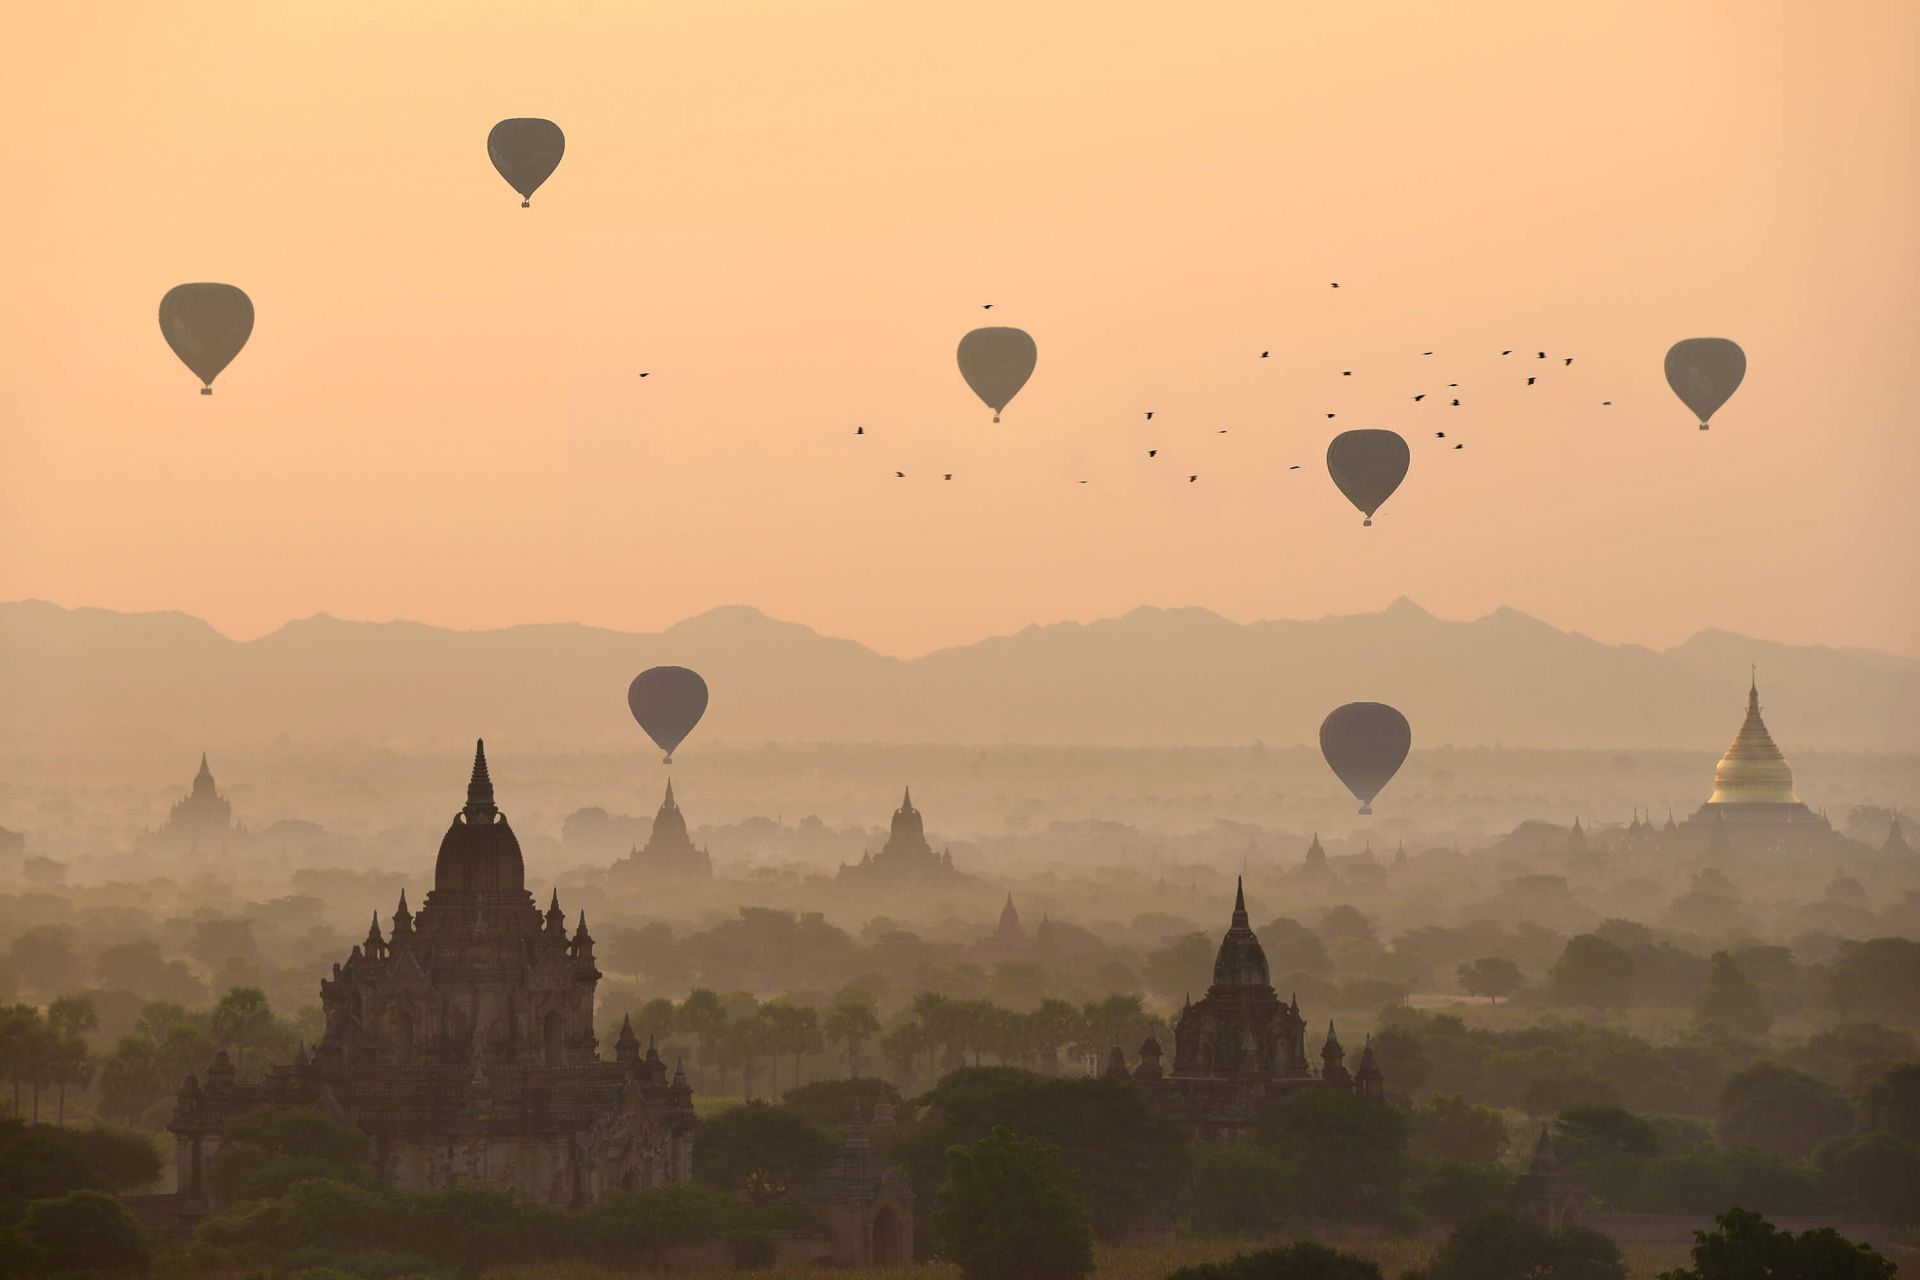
{"x": 1240, "y": 900}
{"x": 480, "y": 787}
{"x": 906, "y": 798}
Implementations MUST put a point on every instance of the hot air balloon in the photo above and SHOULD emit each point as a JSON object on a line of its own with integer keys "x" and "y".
{"x": 526, "y": 151}
{"x": 668, "y": 702}
{"x": 1368, "y": 466}
{"x": 1365, "y": 744}
{"x": 206, "y": 325}
{"x": 996, "y": 363}
{"x": 1704, "y": 373}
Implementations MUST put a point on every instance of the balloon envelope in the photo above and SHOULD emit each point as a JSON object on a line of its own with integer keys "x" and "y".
{"x": 996, "y": 363}
{"x": 206, "y": 325}
{"x": 1368, "y": 466}
{"x": 668, "y": 702}
{"x": 1365, "y": 744}
{"x": 1704, "y": 372}
{"x": 526, "y": 151}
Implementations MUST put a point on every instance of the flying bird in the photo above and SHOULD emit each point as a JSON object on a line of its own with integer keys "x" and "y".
{"x": 1439, "y": 435}
{"x": 1426, "y": 353}
{"x": 1422, "y": 396}
{"x": 859, "y": 431}
{"x": 900, "y": 475}
{"x": 1223, "y": 431}
{"x": 1569, "y": 360}
{"x": 986, "y": 306}
{"x": 947, "y": 476}
{"x": 1336, "y": 284}
{"x": 1191, "y": 479}
{"x": 1507, "y": 352}
{"x": 643, "y": 375}
{"x": 1265, "y": 354}
{"x": 1329, "y": 415}
{"x": 1529, "y": 381}
{"x": 1606, "y": 402}
{"x": 1153, "y": 453}
{"x": 1294, "y": 467}
{"x": 1149, "y": 415}
{"x": 1459, "y": 446}
{"x": 1543, "y": 355}
{"x": 1456, "y": 403}
{"x": 1346, "y": 373}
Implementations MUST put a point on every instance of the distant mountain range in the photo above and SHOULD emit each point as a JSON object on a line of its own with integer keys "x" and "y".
{"x": 1152, "y": 677}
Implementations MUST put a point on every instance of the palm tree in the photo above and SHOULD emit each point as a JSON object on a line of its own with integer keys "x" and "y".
{"x": 852, "y": 1021}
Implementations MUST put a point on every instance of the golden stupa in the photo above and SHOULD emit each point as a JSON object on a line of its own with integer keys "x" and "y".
{"x": 1753, "y": 783}
{"x": 1753, "y": 771}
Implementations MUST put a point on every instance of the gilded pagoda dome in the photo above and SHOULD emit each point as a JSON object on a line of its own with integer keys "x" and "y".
{"x": 1753, "y": 770}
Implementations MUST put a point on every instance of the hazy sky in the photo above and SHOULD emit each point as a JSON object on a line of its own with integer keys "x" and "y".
{"x": 789, "y": 213}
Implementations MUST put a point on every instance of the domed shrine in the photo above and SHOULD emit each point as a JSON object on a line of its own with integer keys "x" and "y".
{"x": 462, "y": 1044}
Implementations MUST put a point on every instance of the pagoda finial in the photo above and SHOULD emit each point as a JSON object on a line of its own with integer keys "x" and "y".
{"x": 668, "y": 802}
{"x": 906, "y": 798}
{"x": 480, "y": 786}
{"x": 1239, "y": 899}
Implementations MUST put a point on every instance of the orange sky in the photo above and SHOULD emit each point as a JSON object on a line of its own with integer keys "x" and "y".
{"x": 790, "y": 212}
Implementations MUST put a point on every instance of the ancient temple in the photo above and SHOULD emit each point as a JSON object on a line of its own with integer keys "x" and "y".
{"x": 1008, "y": 941}
{"x": 462, "y": 1044}
{"x": 1546, "y": 1194}
{"x": 1753, "y": 803}
{"x": 1316, "y": 856}
{"x": 905, "y": 856}
{"x": 669, "y": 853}
{"x": 1240, "y": 1045}
{"x": 1896, "y": 841}
{"x": 865, "y": 1204}
{"x": 199, "y": 822}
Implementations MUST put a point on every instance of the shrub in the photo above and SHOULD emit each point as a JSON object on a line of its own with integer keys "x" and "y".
{"x": 85, "y": 1231}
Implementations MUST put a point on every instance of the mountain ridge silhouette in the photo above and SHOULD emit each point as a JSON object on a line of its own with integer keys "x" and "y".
{"x": 1149, "y": 677}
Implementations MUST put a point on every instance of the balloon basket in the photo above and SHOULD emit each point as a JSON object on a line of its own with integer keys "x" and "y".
{"x": 526, "y": 204}
{"x": 206, "y": 391}
{"x": 667, "y": 759}
{"x": 996, "y": 417}
{"x": 1703, "y": 426}
{"x": 1367, "y": 523}
{"x": 1367, "y": 809}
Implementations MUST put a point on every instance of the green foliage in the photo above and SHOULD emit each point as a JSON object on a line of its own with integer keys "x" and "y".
{"x": 85, "y": 1231}
{"x": 765, "y": 1151}
{"x": 1455, "y": 1189}
{"x": 38, "y": 1162}
{"x": 1773, "y": 1108}
{"x": 1301, "y": 1260}
{"x": 646, "y": 1224}
{"x": 1234, "y": 1191}
{"x": 1129, "y": 1161}
{"x": 1008, "y": 1210}
{"x": 1878, "y": 978}
{"x": 1880, "y": 1172}
{"x": 1744, "y": 1245}
{"x": 19, "y": 1256}
{"x": 1593, "y": 973}
{"x": 828, "y": 1104}
{"x": 1891, "y": 1102}
{"x": 1402, "y": 1059}
{"x": 1730, "y": 1001}
{"x": 1451, "y": 1128}
{"x": 271, "y": 1149}
{"x": 122, "y": 1159}
{"x": 1498, "y": 1246}
{"x": 130, "y": 1080}
{"x": 1707, "y": 1181}
{"x": 1493, "y": 976}
{"x": 1583, "y": 1135}
{"x": 1341, "y": 1156}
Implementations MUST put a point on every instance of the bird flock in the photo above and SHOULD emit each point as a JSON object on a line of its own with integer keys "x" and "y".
{"x": 207, "y": 324}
